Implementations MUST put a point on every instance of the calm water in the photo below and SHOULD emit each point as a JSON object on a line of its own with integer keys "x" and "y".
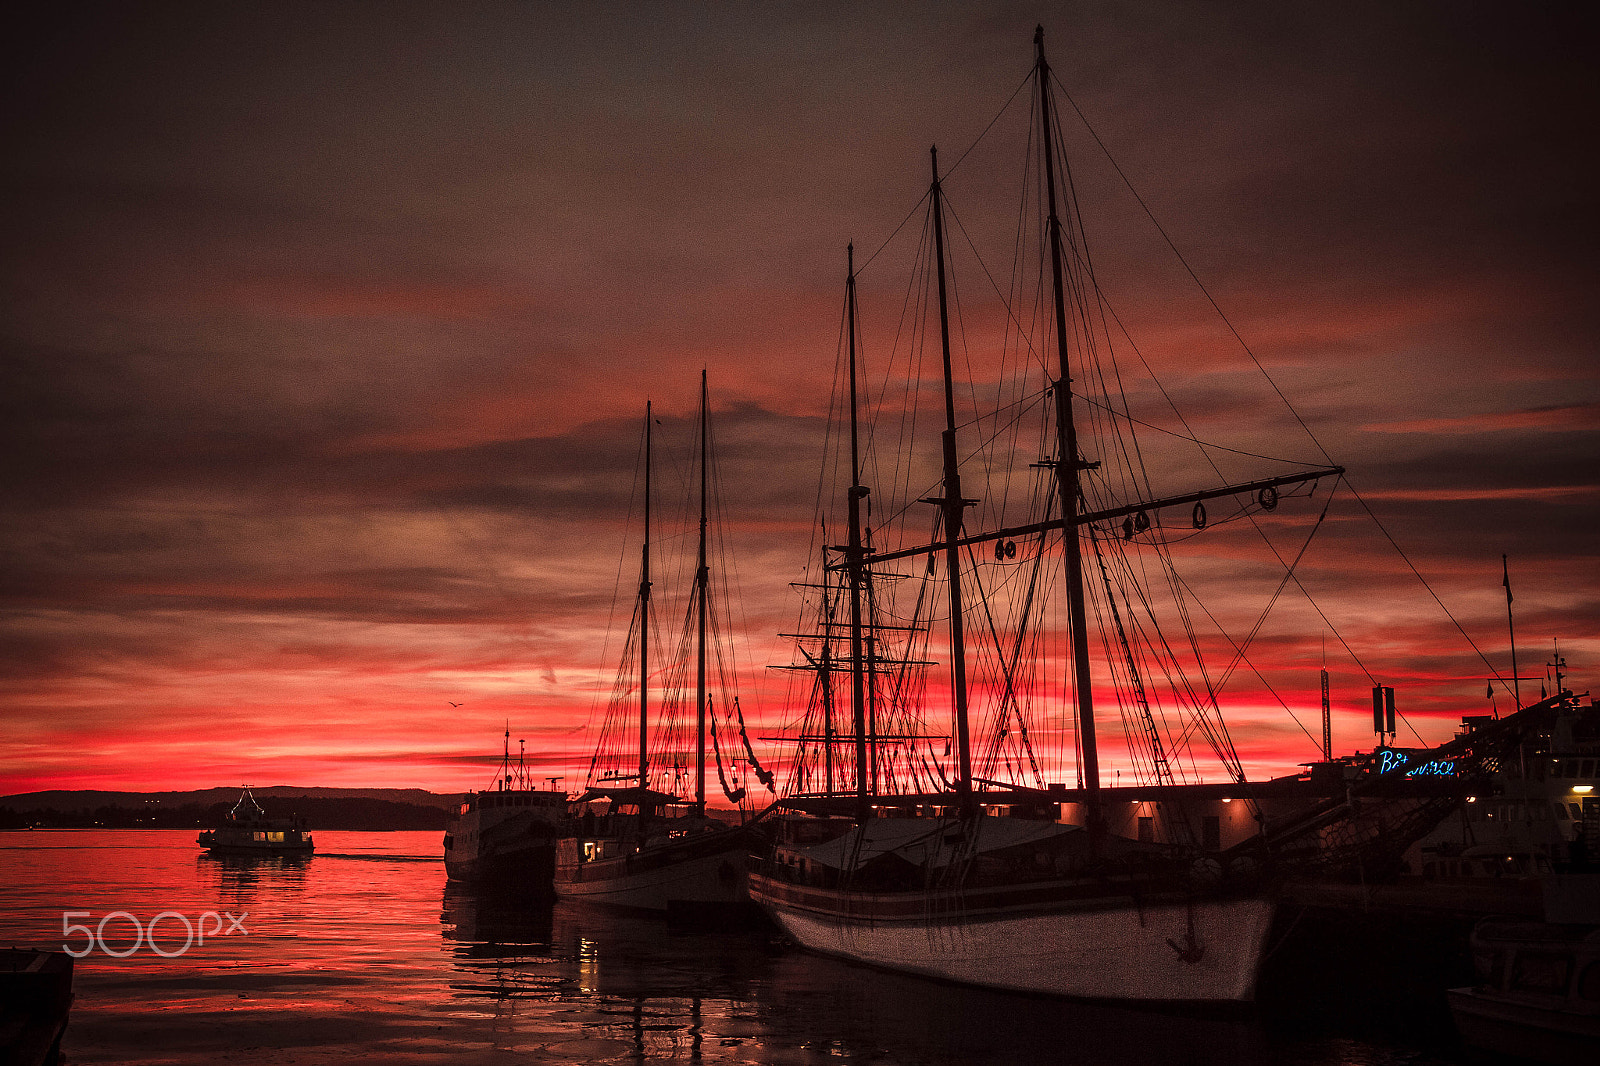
{"x": 363, "y": 953}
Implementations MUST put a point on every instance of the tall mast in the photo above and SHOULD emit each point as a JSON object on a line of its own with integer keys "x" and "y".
{"x": 644, "y": 617}
{"x": 1068, "y": 464}
{"x": 953, "y": 505}
{"x": 858, "y": 680}
{"x": 701, "y": 582}
{"x": 1511, "y": 625}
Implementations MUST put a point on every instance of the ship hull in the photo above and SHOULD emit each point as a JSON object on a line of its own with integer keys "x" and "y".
{"x": 1501, "y": 1024}
{"x": 530, "y": 867}
{"x": 243, "y": 842}
{"x": 505, "y": 838}
{"x": 696, "y": 877}
{"x": 260, "y": 849}
{"x": 1107, "y": 950}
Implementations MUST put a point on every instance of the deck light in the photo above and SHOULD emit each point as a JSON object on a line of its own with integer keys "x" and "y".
{"x": 1583, "y": 788}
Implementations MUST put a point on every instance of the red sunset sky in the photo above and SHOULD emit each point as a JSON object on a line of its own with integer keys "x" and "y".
{"x": 328, "y": 331}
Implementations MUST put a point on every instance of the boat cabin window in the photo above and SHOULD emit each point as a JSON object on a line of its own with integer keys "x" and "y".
{"x": 1539, "y": 972}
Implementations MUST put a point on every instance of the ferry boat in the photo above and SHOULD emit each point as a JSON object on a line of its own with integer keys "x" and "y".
{"x": 506, "y": 834}
{"x": 248, "y": 831}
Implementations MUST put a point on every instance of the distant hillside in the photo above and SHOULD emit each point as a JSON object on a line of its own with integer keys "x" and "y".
{"x": 321, "y": 808}
{"x": 61, "y": 800}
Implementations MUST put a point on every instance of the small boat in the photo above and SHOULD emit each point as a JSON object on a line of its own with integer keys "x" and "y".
{"x": 35, "y": 998}
{"x": 248, "y": 831}
{"x": 636, "y": 842}
{"x": 506, "y": 834}
{"x": 1538, "y": 991}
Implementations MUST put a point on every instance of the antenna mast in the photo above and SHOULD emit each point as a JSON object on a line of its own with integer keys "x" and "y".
{"x": 1516, "y": 682}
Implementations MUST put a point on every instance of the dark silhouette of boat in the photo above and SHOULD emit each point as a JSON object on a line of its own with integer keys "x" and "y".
{"x": 506, "y": 834}
{"x": 248, "y": 831}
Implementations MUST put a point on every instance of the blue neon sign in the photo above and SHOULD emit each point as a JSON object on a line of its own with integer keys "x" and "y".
{"x": 1391, "y": 760}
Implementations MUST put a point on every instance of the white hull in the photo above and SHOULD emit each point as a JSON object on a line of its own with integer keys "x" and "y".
{"x": 1118, "y": 953}
{"x": 715, "y": 878}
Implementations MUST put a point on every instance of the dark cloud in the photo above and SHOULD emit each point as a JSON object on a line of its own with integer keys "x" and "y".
{"x": 326, "y": 332}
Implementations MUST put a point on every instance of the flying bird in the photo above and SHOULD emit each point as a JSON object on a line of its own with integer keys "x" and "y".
{"x": 453, "y": 704}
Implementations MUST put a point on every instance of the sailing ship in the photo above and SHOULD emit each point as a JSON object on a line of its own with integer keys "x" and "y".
{"x": 636, "y": 840}
{"x": 967, "y": 865}
{"x": 248, "y": 831}
{"x": 506, "y": 834}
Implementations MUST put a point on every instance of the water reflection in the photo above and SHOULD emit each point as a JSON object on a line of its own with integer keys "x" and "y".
{"x": 366, "y": 951}
{"x": 632, "y": 989}
{"x": 485, "y": 924}
{"x": 240, "y": 879}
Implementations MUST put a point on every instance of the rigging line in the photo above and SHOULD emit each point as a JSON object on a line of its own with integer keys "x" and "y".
{"x": 896, "y": 232}
{"x": 950, "y": 170}
{"x": 1009, "y": 703}
{"x": 1161, "y": 766}
{"x": 1029, "y": 401}
{"x": 1005, "y": 298}
{"x": 966, "y": 357}
{"x": 1270, "y": 380}
{"x": 1216, "y": 734}
{"x": 605, "y": 647}
{"x": 1253, "y": 668}
{"x": 1181, "y": 436}
{"x": 818, "y": 527}
{"x": 1255, "y": 630}
{"x": 1195, "y": 277}
{"x": 1495, "y": 673}
{"x": 1309, "y": 598}
{"x": 1003, "y": 109}
{"x": 911, "y": 315}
